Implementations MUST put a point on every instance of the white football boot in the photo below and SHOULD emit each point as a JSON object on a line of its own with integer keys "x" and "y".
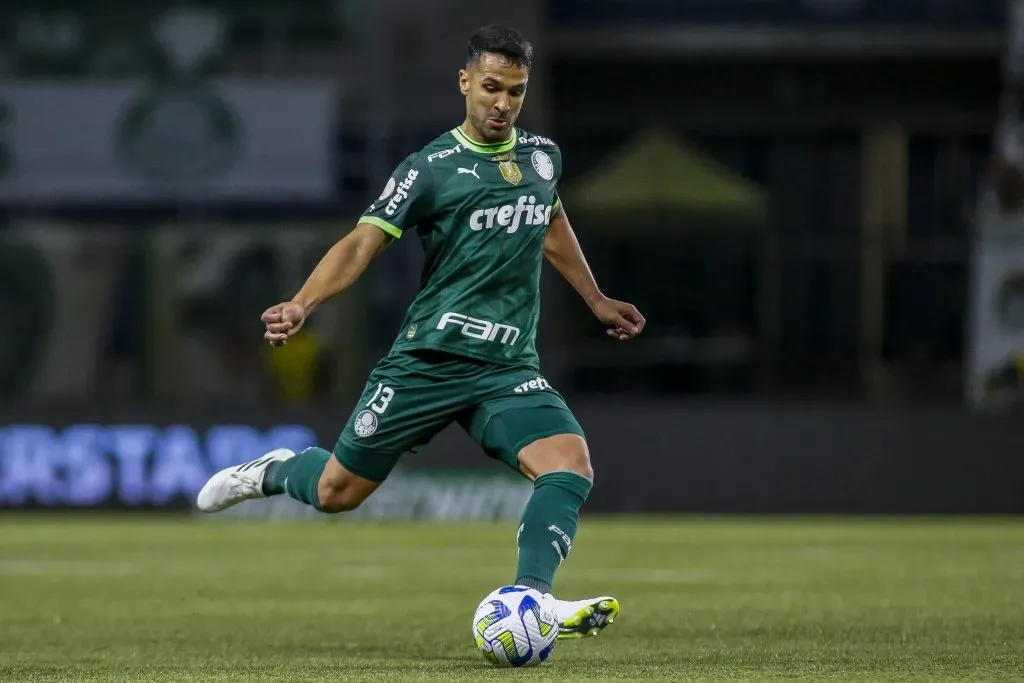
{"x": 234, "y": 484}
{"x": 584, "y": 618}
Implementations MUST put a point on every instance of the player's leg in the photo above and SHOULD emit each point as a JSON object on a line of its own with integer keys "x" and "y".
{"x": 330, "y": 482}
{"x": 313, "y": 476}
{"x": 542, "y": 439}
{"x": 558, "y": 465}
{"x": 396, "y": 413}
{"x": 319, "y": 478}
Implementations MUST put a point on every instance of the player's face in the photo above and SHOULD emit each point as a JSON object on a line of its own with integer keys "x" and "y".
{"x": 494, "y": 88}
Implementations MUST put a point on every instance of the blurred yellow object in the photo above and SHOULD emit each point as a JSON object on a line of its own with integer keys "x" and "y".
{"x": 293, "y": 367}
{"x": 1018, "y": 362}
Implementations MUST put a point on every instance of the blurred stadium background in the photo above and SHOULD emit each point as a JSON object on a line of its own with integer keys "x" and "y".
{"x": 817, "y": 204}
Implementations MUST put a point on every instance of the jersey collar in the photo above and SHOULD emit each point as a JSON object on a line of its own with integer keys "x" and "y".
{"x": 493, "y": 148}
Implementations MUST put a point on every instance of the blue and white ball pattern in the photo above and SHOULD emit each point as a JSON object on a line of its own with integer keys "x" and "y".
{"x": 514, "y": 626}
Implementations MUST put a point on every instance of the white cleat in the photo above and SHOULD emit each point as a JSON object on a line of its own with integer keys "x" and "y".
{"x": 234, "y": 484}
{"x": 584, "y": 618}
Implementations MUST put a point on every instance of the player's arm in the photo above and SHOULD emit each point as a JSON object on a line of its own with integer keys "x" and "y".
{"x": 405, "y": 202}
{"x": 339, "y": 268}
{"x": 563, "y": 251}
{"x": 342, "y": 265}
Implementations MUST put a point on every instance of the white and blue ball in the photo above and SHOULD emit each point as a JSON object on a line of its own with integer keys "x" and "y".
{"x": 515, "y": 626}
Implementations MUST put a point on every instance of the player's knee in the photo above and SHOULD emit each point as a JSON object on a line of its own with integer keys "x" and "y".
{"x": 341, "y": 490}
{"x": 563, "y": 452}
{"x": 580, "y": 463}
{"x": 338, "y": 499}
{"x": 339, "y": 504}
{"x": 575, "y": 457}
{"x": 339, "y": 495}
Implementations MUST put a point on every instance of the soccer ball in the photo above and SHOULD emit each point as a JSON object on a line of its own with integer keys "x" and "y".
{"x": 514, "y": 626}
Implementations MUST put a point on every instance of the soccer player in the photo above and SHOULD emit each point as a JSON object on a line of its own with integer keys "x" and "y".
{"x": 483, "y": 200}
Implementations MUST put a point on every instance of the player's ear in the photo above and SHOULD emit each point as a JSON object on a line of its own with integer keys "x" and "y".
{"x": 464, "y": 82}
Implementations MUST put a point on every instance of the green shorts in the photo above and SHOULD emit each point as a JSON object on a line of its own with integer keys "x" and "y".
{"x": 411, "y": 396}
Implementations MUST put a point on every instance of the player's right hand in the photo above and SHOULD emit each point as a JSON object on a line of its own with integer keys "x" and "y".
{"x": 282, "y": 321}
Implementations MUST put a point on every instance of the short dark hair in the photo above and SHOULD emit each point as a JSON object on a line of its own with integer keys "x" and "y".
{"x": 500, "y": 40}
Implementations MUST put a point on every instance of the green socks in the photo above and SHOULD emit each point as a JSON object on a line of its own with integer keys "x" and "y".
{"x": 545, "y": 535}
{"x": 298, "y": 476}
{"x": 548, "y": 527}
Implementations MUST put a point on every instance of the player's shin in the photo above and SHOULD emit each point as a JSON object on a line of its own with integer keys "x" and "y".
{"x": 548, "y": 527}
{"x": 298, "y": 476}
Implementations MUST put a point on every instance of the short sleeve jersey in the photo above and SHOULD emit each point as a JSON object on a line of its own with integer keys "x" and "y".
{"x": 481, "y": 213}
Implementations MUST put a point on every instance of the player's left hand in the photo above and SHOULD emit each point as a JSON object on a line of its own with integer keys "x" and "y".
{"x": 623, "y": 320}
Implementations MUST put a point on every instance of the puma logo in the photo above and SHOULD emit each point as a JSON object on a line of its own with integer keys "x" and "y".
{"x": 468, "y": 171}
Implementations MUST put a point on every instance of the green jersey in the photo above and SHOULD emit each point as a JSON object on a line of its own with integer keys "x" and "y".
{"x": 481, "y": 213}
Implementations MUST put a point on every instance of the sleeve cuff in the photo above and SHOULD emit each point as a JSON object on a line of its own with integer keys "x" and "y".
{"x": 390, "y": 229}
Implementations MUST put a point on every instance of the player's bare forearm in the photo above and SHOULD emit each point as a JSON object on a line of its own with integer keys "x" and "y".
{"x": 563, "y": 251}
{"x": 341, "y": 266}
{"x": 338, "y": 269}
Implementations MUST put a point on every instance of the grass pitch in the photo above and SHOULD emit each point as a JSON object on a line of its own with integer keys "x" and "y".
{"x": 125, "y": 598}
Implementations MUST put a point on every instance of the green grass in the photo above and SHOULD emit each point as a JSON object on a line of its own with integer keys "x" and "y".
{"x": 143, "y": 599}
